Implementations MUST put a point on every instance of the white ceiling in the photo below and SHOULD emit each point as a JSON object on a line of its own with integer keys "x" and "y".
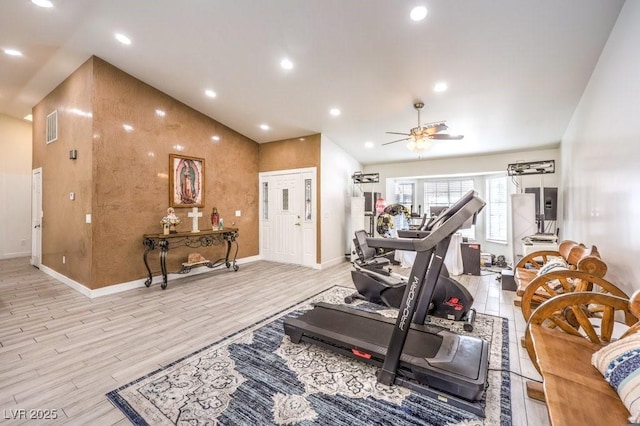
{"x": 515, "y": 68}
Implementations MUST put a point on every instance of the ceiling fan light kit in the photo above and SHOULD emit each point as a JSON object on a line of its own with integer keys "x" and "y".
{"x": 419, "y": 138}
{"x": 418, "y": 145}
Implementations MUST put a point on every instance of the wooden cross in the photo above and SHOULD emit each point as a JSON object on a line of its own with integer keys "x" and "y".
{"x": 195, "y": 214}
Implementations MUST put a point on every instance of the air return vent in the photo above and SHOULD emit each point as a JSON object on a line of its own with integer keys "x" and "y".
{"x": 52, "y": 127}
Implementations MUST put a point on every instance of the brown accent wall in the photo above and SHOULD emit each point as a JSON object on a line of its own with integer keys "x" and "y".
{"x": 295, "y": 153}
{"x": 121, "y": 177}
{"x": 64, "y": 231}
{"x": 290, "y": 154}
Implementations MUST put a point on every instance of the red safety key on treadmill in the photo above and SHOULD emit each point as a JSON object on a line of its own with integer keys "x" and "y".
{"x": 454, "y": 302}
{"x": 361, "y": 354}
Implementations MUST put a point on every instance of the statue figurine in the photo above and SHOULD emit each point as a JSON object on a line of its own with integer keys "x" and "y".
{"x": 170, "y": 221}
{"x": 215, "y": 219}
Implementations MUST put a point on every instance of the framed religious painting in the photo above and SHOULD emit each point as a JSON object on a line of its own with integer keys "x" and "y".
{"x": 186, "y": 181}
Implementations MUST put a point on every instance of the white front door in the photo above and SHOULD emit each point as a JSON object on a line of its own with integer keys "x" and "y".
{"x": 287, "y": 217}
{"x": 36, "y": 217}
{"x": 287, "y": 226}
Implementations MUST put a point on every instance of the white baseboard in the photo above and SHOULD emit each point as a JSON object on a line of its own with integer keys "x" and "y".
{"x": 66, "y": 280}
{"x": 333, "y": 262}
{"x": 14, "y": 255}
{"x": 130, "y": 285}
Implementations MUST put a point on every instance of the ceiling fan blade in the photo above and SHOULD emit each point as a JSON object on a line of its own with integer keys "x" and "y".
{"x": 398, "y": 133}
{"x": 444, "y": 136}
{"x": 433, "y": 123}
{"x": 436, "y": 128}
{"x": 399, "y": 140}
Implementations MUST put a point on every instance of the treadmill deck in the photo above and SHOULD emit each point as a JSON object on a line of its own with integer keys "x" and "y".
{"x": 432, "y": 356}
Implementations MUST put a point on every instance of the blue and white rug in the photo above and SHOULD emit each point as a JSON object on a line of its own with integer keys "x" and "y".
{"x": 258, "y": 377}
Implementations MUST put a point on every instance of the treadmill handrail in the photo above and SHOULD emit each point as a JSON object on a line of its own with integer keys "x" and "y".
{"x": 444, "y": 216}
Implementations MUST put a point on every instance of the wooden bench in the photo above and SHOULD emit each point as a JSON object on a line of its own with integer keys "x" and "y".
{"x": 575, "y": 392}
{"x": 577, "y": 256}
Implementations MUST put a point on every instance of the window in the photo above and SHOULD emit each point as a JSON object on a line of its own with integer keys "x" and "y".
{"x": 285, "y": 199}
{"x": 307, "y": 199}
{"x": 497, "y": 208}
{"x": 443, "y": 193}
{"x": 265, "y": 200}
{"x": 404, "y": 194}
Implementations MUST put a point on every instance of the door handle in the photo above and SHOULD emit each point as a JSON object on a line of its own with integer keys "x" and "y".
{"x": 37, "y": 226}
{"x": 298, "y": 222}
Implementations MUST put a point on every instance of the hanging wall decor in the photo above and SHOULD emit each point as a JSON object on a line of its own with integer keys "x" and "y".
{"x": 186, "y": 181}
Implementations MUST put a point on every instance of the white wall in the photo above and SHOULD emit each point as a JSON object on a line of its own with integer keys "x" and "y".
{"x": 336, "y": 169}
{"x": 478, "y": 167}
{"x": 601, "y": 156}
{"x": 15, "y": 187}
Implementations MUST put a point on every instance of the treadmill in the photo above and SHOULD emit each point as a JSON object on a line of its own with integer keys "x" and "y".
{"x": 423, "y": 357}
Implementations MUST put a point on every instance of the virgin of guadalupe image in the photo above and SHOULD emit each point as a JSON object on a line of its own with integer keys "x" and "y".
{"x": 189, "y": 186}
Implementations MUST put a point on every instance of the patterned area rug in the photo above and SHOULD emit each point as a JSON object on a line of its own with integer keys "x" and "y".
{"x": 258, "y": 377}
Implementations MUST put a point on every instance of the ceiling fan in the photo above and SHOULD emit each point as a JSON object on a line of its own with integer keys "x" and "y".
{"x": 419, "y": 138}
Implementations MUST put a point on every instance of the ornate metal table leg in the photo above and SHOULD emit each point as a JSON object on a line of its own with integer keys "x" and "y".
{"x": 164, "y": 248}
{"x": 150, "y": 245}
{"x": 226, "y": 256}
{"x": 231, "y": 238}
{"x": 235, "y": 255}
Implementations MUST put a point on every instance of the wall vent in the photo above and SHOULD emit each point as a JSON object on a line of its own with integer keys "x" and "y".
{"x": 52, "y": 127}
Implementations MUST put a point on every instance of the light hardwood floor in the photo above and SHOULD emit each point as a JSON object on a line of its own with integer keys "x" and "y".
{"x": 62, "y": 351}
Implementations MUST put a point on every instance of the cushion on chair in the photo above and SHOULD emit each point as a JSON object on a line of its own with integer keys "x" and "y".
{"x": 553, "y": 264}
{"x": 619, "y": 363}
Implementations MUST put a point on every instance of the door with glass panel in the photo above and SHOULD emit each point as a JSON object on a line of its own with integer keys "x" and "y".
{"x": 287, "y": 217}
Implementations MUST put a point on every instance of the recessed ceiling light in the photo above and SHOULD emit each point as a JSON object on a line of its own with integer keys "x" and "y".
{"x": 210, "y": 93}
{"x": 42, "y": 3}
{"x": 12, "y": 52}
{"x": 123, "y": 39}
{"x": 418, "y": 13}
{"x": 440, "y": 87}
{"x": 264, "y": 126}
{"x": 160, "y": 113}
{"x": 127, "y": 127}
{"x": 301, "y": 139}
{"x": 28, "y": 117}
{"x": 368, "y": 144}
{"x": 286, "y": 64}
{"x": 215, "y": 137}
{"x": 334, "y": 111}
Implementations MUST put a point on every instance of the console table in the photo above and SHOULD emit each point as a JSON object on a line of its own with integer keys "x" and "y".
{"x": 191, "y": 240}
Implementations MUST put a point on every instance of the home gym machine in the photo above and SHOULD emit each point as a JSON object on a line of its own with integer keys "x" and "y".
{"x": 437, "y": 362}
{"x": 376, "y": 283}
